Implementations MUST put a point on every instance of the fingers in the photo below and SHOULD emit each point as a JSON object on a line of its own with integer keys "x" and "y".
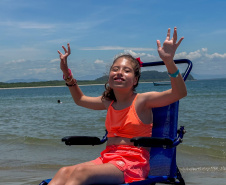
{"x": 180, "y": 41}
{"x": 158, "y": 44}
{"x": 65, "y": 50}
{"x": 168, "y": 34}
{"x": 174, "y": 38}
{"x": 69, "y": 48}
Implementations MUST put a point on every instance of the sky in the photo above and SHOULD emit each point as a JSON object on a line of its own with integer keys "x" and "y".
{"x": 32, "y": 31}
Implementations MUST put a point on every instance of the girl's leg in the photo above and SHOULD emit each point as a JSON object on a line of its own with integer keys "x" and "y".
{"x": 96, "y": 174}
{"x": 64, "y": 173}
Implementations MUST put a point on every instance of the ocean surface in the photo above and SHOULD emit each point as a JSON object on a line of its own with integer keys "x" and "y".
{"x": 32, "y": 124}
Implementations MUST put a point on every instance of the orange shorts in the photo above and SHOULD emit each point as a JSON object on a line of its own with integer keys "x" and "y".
{"x": 133, "y": 161}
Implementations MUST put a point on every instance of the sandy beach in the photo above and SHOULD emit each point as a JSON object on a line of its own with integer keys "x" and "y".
{"x": 34, "y": 177}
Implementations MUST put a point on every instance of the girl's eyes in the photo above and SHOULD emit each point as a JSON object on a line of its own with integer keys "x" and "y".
{"x": 127, "y": 71}
{"x": 115, "y": 69}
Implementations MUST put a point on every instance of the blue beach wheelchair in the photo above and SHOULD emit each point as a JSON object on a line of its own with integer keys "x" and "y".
{"x": 165, "y": 138}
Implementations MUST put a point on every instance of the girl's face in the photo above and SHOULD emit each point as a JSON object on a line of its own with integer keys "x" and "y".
{"x": 122, "y": 74}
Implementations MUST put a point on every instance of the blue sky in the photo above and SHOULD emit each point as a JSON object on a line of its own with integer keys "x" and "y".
{"x": 32, "y": 31}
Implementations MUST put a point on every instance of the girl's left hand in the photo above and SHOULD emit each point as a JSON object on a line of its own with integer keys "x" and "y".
{"x": 167, "y": 51}
{"x": 63, "y": 57}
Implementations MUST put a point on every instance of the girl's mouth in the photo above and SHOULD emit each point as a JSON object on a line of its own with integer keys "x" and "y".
{"x": 119, "y": 79}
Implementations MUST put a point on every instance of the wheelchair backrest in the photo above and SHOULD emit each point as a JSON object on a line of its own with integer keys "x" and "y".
{"x": 165, "y": 121}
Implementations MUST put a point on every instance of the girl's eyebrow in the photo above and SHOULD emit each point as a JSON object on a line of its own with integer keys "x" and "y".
{"x": 124, "y": 67}
{"x": 112, "y": 67}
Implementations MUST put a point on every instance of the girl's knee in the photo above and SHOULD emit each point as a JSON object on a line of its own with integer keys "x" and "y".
{"x": 81, "y": 171}
{"x": 61, "y": 176}
{"x": 64, "y": 171}
{"x": 80, "y": 175}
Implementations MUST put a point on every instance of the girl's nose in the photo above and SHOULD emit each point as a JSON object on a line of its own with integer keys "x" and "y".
{"x": 120, "y": 72}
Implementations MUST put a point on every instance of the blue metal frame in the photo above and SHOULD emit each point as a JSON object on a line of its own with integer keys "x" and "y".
{"x": 180, "y": 61}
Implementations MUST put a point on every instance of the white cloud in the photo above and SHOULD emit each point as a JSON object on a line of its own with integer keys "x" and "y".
{"x": 204, "y": 63}
{"x": 38, "y": 70}
{"x": 98, "y": 61}
{"x": 27, "y": 25}
{"x": 32, "y": 25}
{"x": 133, "y": 53}
{"x": 146, "y": 57}
{"x": 117, "y": 48}
{"x": 22, "y": 53}
{"x": 215, "y": 32}
{"x": 54, "y": 60}
{"x": 16, "y": 61}
{"x": 201, "y": 54}
{"x": 216, "y": 55}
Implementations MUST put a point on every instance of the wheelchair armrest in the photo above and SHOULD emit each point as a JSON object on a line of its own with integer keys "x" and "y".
{"x": 152, "y": 142}
{"x": 82, "y": 140}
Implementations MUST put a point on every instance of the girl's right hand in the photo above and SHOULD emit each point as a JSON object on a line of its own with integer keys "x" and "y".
{"x": 167, "y": 51}
{"x": 63, "y": 58}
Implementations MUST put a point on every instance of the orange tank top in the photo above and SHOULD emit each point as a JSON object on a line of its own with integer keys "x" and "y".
{"x": 126, "y": 123}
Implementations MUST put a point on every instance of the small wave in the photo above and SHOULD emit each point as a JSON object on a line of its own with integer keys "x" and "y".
{"x": 31, "y": 166}
{"x": 27, "y": 140}
{"x": 204, "y": 169}
{"x": 40, "y": 141}
{"x": 209, "y": 150}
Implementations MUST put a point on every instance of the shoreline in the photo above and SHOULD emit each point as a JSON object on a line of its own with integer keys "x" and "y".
{"x": 4, "y": 88}
{"x": 90, "y": 84}
{"x": 56, "y": 86}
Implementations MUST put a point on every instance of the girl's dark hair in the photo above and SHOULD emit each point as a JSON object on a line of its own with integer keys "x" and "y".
{"x": 109, "y": 93}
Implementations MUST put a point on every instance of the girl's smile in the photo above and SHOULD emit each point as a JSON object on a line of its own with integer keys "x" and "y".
{"x": 122, "y": 74}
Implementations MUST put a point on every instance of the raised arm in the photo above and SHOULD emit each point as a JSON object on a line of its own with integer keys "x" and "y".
{"x": 178, "y": 91}
{"x": 80, "y": 99}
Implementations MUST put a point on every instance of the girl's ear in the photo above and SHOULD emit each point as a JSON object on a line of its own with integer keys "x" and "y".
{"x": 135, "y": 81}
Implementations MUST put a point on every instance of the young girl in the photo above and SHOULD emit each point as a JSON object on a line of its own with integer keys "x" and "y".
{"x": 128, "y": 115}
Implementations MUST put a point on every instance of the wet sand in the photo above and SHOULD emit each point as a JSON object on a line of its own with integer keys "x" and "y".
{"x": 35, "y": 176}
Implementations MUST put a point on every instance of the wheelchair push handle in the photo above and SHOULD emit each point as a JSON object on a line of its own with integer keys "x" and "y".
{"x": 180, "y": 61}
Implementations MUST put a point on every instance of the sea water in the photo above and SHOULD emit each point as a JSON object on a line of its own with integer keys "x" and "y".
{"x": 32, "y": 123}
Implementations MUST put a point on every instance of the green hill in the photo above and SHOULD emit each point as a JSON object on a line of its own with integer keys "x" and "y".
{"x": 154, "y": 76}
{"x": 146, "y": 76}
